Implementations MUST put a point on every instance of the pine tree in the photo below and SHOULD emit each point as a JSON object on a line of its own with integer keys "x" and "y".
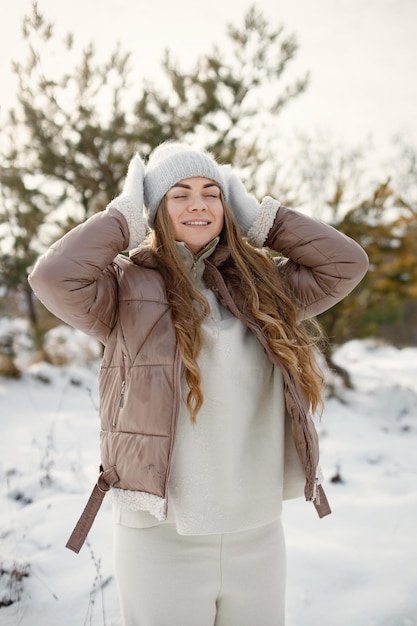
{"x": 66, "y": 144}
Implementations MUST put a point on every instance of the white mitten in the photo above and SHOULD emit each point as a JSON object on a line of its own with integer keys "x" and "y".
{"x": 130, "y": 202}
{"x": 244, "y": 206}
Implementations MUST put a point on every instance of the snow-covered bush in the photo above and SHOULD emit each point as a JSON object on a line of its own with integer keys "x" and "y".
{"x": 64, "y": 345}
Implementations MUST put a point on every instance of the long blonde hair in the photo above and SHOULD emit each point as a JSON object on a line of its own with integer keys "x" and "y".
{"x": 250, "y": 275}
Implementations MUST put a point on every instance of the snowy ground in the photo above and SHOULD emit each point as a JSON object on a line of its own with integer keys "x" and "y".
{"x": 357, "y": 567}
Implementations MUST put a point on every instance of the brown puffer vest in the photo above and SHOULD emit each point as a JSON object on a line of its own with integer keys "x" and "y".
{"x": 122, "y": 302}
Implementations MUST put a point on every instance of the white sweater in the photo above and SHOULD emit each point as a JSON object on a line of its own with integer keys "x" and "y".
{"x": 227, "y": 469}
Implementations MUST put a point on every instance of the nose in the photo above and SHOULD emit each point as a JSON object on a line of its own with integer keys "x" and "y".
{"x": 198, "y": 203}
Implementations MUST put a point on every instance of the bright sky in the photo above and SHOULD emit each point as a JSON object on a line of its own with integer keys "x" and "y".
{"x": 362, "y": 54}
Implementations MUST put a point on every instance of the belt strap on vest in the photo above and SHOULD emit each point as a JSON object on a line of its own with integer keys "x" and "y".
{"x": 104, "y": 482}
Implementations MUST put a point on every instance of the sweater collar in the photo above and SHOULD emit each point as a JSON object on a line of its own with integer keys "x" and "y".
{"x": 195, "y": 262}
{"x": 219, "y": 253}
{"x": 189, "y": 258}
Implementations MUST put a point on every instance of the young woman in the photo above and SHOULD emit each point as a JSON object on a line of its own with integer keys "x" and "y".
{"x": 207, "y": 381}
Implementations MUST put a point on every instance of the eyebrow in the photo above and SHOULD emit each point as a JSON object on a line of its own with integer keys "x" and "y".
{"x": 185, "y": 186}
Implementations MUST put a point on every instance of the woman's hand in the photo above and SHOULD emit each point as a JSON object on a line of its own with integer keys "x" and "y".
{"x": 133, "y": 185}
{"x": 130, "y": 202}
{"x": 243, "y": 205}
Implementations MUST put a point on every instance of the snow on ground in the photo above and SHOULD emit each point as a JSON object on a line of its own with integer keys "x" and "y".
{"x": 357, "y": 567}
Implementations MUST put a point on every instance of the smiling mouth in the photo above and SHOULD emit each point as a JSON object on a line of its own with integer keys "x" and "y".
{"x": 196, "y": 223}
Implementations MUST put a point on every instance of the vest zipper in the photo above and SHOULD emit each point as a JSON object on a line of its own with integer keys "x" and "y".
{"x": 122, "y": 392}
{"x": 177, "y": 402}
{"x": 122, "y": 395}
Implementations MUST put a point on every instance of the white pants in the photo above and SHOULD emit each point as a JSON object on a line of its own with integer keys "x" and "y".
{"x": 235, "y": 579}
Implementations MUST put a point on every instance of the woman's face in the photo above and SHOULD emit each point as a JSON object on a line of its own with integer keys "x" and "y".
{"x": 195, "y": 209}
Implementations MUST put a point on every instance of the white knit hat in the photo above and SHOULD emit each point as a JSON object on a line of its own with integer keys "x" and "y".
{"x": 171, "y": 162}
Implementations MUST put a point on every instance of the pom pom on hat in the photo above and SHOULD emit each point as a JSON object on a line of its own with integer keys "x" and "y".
{"x": 171, "y": 162}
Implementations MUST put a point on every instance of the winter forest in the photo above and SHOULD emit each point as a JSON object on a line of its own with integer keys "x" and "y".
{"x": 64, "y": 146}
